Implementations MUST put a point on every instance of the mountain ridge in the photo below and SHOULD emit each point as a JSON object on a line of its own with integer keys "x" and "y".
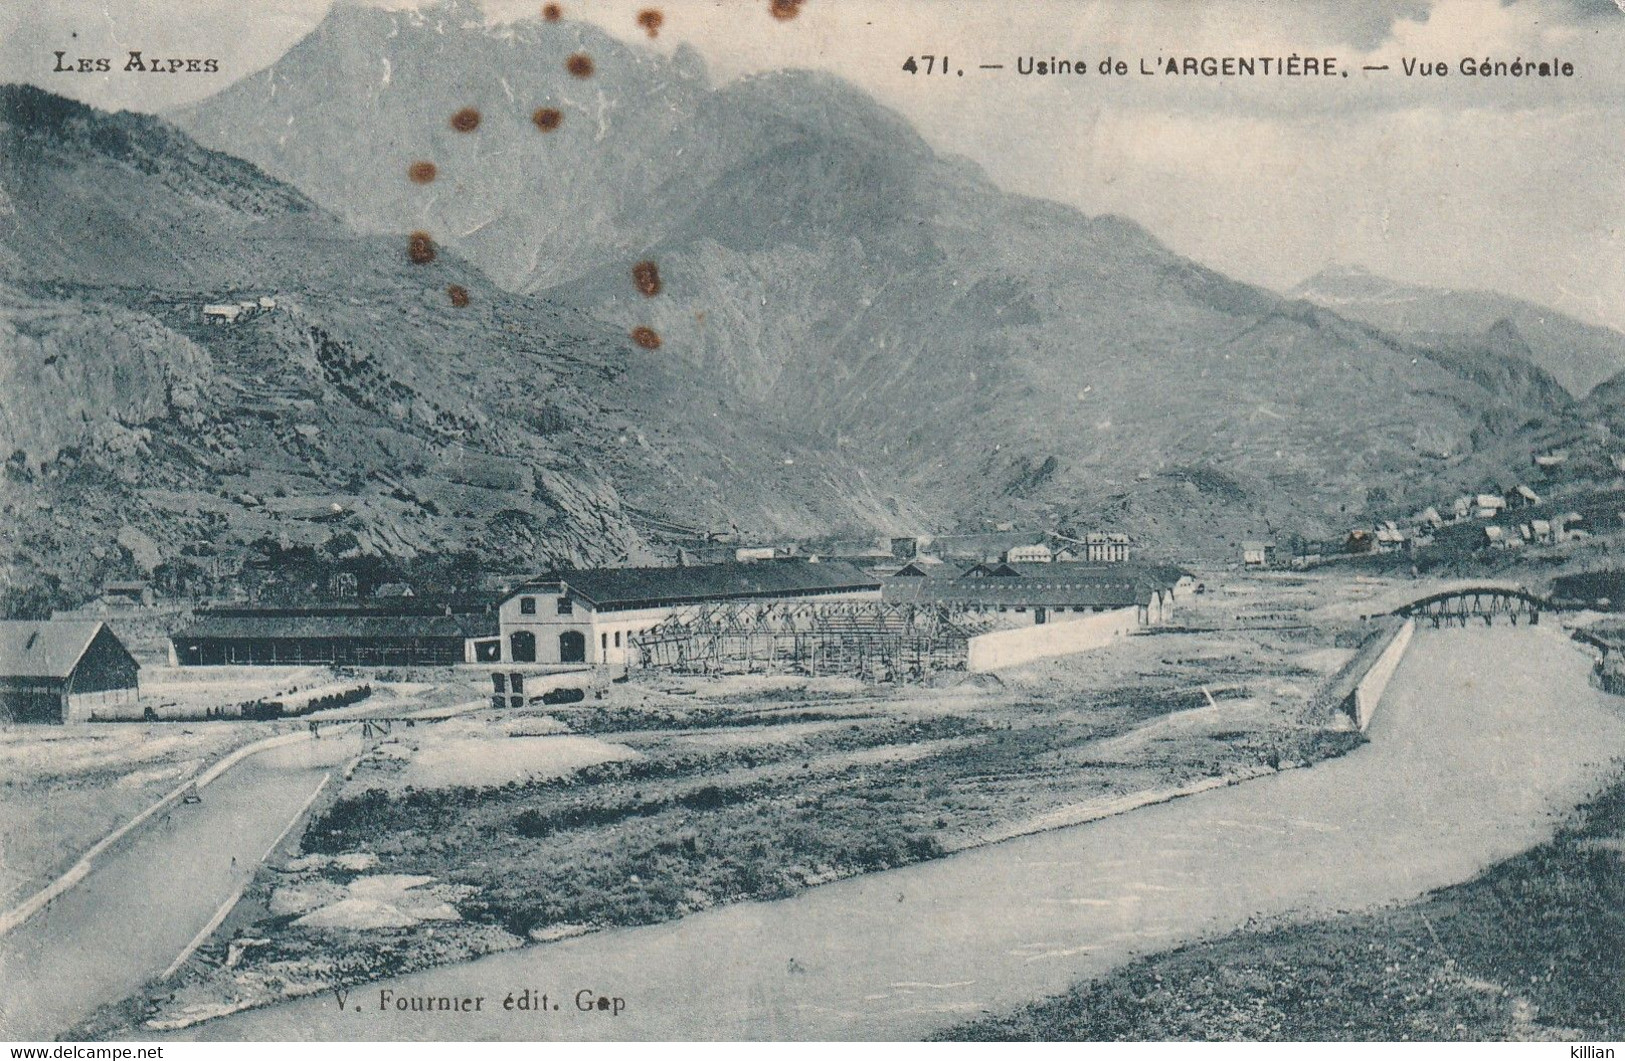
{"x": 1577, "y": 354}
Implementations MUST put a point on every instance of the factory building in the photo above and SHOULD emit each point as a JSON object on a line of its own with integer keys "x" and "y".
{"x": 590, "y": 616}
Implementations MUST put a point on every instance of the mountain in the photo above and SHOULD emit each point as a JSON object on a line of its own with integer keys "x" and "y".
{"x": 1576, "y": 354}
{"x": 973, "y": 354}
{"x": 361, "y": 410}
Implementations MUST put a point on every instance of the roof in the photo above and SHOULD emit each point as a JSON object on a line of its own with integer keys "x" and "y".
{"x": 1044, "y": 585}
{"x": 1257, "y": 546}
{"x": 1021, "y": 592}
{"x": 242, "y": 625}
{"x": 988, "y": 543}
{"x": 654, "y": 586}
{"x": 44, "y": 649}
{"x": 926, "y": 567}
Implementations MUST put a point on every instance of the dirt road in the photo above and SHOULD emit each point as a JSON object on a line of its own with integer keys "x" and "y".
{"x": 145, "y": 901}
{"x": 1485, "y": 739}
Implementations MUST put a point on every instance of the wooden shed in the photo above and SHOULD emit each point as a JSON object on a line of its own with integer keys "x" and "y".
{"x": 65, "y": 671}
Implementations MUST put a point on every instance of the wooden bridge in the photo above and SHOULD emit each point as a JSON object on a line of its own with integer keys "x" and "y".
{"x": 1458, "y": 607}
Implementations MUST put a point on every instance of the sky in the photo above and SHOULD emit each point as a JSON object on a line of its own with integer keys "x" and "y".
{"x": 1500, "y": 183}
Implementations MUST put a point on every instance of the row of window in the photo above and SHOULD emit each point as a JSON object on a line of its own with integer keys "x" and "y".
{"x": 562, "y": 605}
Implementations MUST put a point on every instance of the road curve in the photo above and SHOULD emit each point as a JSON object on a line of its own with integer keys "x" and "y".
{"x": 1485, "y": 739}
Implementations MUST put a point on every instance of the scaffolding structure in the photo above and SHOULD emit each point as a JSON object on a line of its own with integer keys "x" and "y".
{"x": 873, "y": 640}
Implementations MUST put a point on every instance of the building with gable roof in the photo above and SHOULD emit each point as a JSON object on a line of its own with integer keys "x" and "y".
{"x": 65, "y": 671}
{"x": 590, "y": 616}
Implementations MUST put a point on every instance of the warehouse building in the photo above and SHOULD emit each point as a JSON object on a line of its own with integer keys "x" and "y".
{"x": 590, "y": 616}
{"x": 1046, "y": 593}
{"x": 65, "y": 671}
{"x": 337, "y": 636}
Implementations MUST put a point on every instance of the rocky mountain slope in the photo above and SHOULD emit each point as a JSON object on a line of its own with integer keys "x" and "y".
{"x": 976, "y": 355}
{"x": 1576, "y": 354}
{"x": 360, "y": 410}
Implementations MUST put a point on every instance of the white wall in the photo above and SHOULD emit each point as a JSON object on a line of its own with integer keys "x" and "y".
{"x": 1007, "y": 648}
{"x": 1369, "y": 692}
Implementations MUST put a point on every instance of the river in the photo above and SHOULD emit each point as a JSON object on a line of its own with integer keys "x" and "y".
{"x": 1484, "y": 741}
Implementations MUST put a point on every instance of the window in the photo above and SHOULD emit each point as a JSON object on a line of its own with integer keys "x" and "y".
{"x": 566, "y": 606}
{"x": 617, "y": 639}
{"x": 527, "y": 605}
{"x": 499, "y": 682}
{"x": 603, "y": 642}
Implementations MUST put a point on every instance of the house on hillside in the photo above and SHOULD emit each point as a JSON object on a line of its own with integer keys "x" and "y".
{"x": 66, "y": 671}
{"x": 1521, "y": 496}
{"x": 1102, "y": 547}
{"x": 1389, "y": 538}
{"x": 1496, "y": 537}
{"x": 1488, "y": 506}
{"x": 1461, "y": 508}
{"x": 127, "y": 594}
{"x": 1553, "y": 459}
{"x": 1029, "y": 554}
{"x": 222, "y": 312}
{"x": 1258, "y": 554}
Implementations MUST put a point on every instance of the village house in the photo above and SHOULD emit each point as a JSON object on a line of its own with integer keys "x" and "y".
{"x": 1488, "y": 506}
{"x": 1258, "y": 554}
{"x": 591, "y": 616}
{"x": 1102, "y": 547}
{"x": 988, "y": 545}
{"x": 127, "y": 594}
{"x": 1029, "y": 554}
{"x": 1521, "y": 496}
{"x": 1389, "y": 538}
{"x": 66, "y": 671}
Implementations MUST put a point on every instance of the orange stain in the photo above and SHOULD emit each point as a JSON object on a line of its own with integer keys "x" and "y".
{"x": 458, "y": 295}
{"x": 466, "y": 120}
{"x": 547, "y": 118}
{"x": 579, "y": 65}
{"x": 651, "y": 19}
{"x": 421, "y": 172}
{"x": 420, "y": 248}
{"x": 552, "y": 12}
{"x": 647, "y": 276}
{"x": 647, "y": 338}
